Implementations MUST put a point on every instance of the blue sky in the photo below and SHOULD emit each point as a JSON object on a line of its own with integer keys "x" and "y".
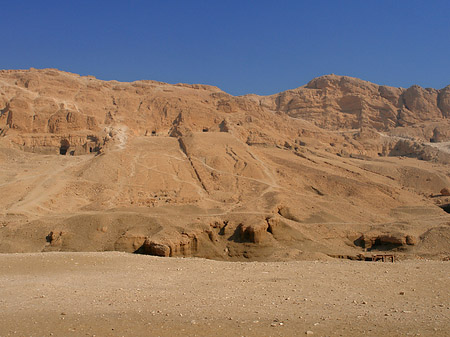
{"x": 241, "y": 46}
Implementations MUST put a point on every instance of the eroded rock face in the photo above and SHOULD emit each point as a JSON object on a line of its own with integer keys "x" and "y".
{"x": 130, "y": 242}
{"x": 409, "y": 148}
{"x": 334, "y": 102}
{"x": 441, "y": 133}
{"x": 422, "y": 101}
{"x": 444, "y": 101}
{"x": 385, "y": 241}
{"x": 189, "y": 170}
{"x": 52, "y": 102}
{"x": 54, "y": 238}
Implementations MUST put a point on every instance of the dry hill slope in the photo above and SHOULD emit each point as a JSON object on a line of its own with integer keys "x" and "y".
{"x": 338, "y": 167}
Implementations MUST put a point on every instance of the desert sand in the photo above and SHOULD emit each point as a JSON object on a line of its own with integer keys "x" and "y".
{"x": 120, "y": 294}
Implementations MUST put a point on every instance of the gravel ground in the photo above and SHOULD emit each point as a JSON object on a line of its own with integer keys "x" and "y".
{"x": 119, "y": 294}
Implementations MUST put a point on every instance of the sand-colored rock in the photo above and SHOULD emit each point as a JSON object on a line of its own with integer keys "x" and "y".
{"x": 189, "y": 170}
{"x": 336, "y": 102}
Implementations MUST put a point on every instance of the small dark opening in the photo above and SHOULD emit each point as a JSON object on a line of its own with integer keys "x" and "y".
{"x": 64, "y": 147}
{"x": 153, "y": 133}
{"x": 141, "y": 250}
{"x": 49, "y": 237}
{"x": 222, "y": 229}
{"x": 90, "y": 149}
{"x": 205, "y": 129}
{"x": 446, "y": 207}
{"x": 359, "y": 242}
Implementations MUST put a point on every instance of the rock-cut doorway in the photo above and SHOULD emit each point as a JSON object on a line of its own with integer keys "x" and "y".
{"x": 64, "y": 147}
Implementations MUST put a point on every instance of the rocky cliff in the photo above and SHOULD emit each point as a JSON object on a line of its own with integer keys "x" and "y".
{"x": 43, "y": 107}
{"x": 338, "y": 167}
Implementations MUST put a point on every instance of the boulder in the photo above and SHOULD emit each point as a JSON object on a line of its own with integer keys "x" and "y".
{"x": 445, "y": 191}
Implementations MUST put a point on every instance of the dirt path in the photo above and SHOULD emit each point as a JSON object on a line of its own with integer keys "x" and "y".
{"x": 444, "y": 146}
{"x": 117, "y": 294}
{"x": 52, "y": 182}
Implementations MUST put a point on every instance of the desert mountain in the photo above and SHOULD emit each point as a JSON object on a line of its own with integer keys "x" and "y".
{"x": 338, "y": 167}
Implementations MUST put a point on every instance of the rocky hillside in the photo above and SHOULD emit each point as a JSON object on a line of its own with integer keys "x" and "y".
{"x": 338, "y": 167}
{"x": 44, "y": 107}
{"x": 337, "y": 102}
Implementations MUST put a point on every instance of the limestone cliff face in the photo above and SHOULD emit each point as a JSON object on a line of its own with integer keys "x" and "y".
{"x": 42, "y": 109}
{"x": 336, "y": 102}
{"x": 444, "y": 101}
{"x": 50, "y": 102}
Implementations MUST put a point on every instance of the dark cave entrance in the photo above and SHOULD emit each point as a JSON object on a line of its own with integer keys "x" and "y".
{"x": 64, "y": 147}
{"x": 382, "y": 245}
{"x": 446, "y": 207}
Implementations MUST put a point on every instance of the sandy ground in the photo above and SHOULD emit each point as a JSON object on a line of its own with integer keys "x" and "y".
{"x": 120, "y": 294}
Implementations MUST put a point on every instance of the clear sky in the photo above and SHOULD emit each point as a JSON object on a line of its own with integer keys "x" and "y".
{"x": 240, "y": 46}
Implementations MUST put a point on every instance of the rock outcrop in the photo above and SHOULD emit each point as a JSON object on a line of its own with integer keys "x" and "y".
{"x": 336, "y": 102}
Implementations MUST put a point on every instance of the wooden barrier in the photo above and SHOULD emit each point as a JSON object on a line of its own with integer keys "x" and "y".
{"x": 384, "y": 257}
